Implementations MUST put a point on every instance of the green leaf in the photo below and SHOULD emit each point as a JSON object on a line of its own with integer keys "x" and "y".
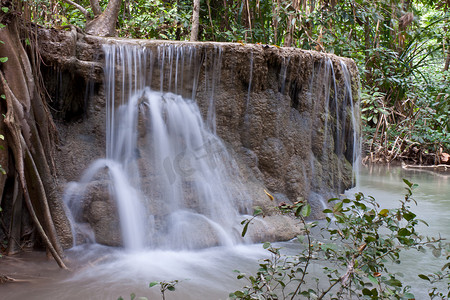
{"x": 328, "y": 246}
{"x": 257, "y": 210}
{"x": 239, "y": 294}
{"x": 409, "y": 216}
{"x": 384, "y": 212}
{"x": 370, "y": 239}
{"x": 394, "y": 282}
{"x": 424, "y": 277}
{"x": 171, "y": 288}
{"x": 153, "y": 283}
{"x": 306, "y": 210}
{"x": 244, "y": 230}
{"x": 5, "y": 9}
{"x": 337, "y": 207}
{"x": 2, "y": 137}
{"x": 404, "y": 232}
{"x": 132, "y": 296}
{"x": 3, "y": 96}
{"x": 372, "y": 279}
{"x": 3, "y": 59}
{"x": 408, "y": 183}
{"x": 266, "y": 245}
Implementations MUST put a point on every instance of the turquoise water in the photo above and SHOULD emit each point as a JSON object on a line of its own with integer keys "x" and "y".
{"x": 99, "y": 272}
{"x": 433, "y": 206}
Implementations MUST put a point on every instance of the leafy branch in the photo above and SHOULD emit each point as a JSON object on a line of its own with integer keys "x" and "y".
{"x": 356, "y": 247}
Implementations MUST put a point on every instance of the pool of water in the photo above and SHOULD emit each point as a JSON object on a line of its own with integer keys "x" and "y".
{"x": 98, "y": 272}
{"x": 433, "y": 206}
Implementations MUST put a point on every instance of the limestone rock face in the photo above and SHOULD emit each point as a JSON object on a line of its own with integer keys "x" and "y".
{"x": 101, "y": 213}
{"x": 285, "y": 114}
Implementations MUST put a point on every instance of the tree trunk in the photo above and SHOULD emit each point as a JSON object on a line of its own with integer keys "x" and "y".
{"x": 195, "y": 21}
{"x": 29, "y": 140}
{"x": 105, "y": 23}
{"x": 96, "y": 8}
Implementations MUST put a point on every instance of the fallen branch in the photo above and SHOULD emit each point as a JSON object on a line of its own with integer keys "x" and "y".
{"x": 445, "y": 167}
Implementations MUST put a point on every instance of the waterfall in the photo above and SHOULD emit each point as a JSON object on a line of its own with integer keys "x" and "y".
{"x": 172, "y": 179}
{"x": 330, "y": 93}
{"x": 169, "y": 182}
{"x": 355, "y": 128}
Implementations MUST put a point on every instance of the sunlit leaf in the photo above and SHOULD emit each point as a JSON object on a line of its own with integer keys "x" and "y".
{"x": 270, "y": 196}
{"x": 384, "y": 212}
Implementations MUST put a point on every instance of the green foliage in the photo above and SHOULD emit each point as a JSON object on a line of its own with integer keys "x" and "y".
{"x": 157, "y": 20}
{"x": 355, "y": 251}
{"x": 164, "y": 286}
{"x": 438, "y": 277}
{"x": 257, "y": 211}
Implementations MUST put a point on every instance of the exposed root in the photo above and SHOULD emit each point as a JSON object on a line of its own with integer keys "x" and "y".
{"x": 28, "y": 132}
{"x": 7, "y": 279}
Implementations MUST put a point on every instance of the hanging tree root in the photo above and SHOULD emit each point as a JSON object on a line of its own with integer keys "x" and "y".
{"x": 19, "y": 147}
{"x": 27, "y": 131}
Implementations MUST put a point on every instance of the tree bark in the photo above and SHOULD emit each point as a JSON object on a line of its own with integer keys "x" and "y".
{"x": 28, "y": 126}
{"x": 105, "y": 23}
{"x": 96, "y": 8}
{"x": 195, "y": 21}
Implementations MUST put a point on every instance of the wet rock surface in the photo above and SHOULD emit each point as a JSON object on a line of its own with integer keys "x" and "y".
{"x": 290, "y": 133}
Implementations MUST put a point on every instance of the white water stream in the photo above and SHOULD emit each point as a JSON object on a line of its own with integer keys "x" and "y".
{"x": 172, "y": 178}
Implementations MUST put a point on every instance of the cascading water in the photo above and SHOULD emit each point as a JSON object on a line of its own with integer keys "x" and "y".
{"x": 169, "y": 174}
{"x": 355, "y": 127}
{"x": 170, "y": 183}
{"x": 340, "y": 126}
{"x": 172, "y": 179}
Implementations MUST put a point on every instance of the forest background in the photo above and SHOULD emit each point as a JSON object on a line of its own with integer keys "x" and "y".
{"x": 402, "y": 49}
